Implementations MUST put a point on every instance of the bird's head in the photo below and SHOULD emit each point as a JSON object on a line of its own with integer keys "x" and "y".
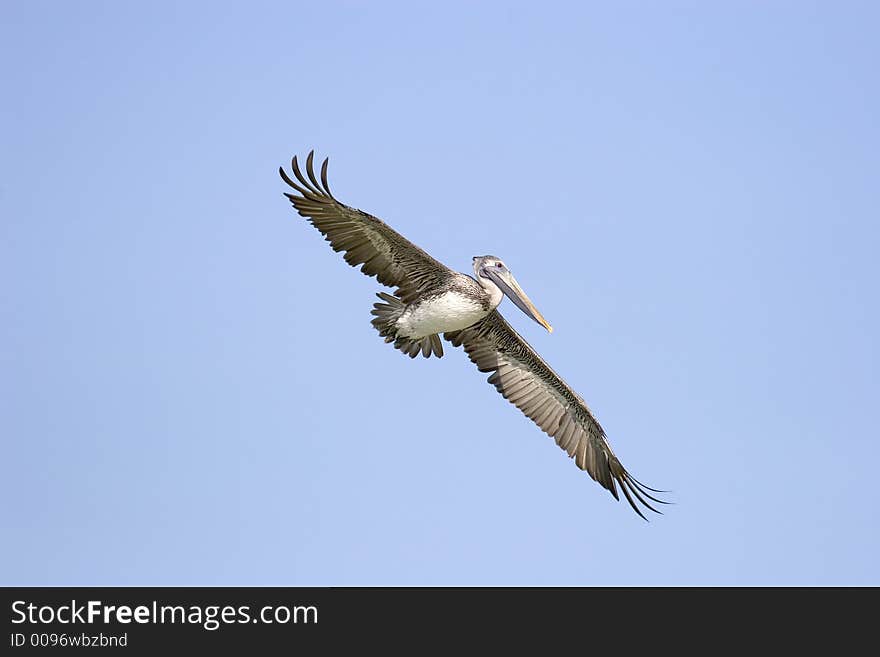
{"x": 492, "y": 272}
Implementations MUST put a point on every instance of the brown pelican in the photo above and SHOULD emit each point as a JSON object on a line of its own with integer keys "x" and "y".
{"x": 431, "y": 299}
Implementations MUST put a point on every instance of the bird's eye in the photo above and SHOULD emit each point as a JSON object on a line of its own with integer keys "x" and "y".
{"x": 499, "y": 264}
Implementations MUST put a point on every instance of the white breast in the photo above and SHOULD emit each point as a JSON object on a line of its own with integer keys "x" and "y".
{"x": 450, "y": 311}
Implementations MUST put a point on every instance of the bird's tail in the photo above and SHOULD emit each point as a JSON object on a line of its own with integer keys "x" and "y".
{"x": 387, "y": 315}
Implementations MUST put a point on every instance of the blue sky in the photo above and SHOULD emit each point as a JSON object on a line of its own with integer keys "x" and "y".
{"x": 190, "y": 389}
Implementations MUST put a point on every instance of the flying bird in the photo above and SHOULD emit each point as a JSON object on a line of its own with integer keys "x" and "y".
{"x": 430, "y": 299}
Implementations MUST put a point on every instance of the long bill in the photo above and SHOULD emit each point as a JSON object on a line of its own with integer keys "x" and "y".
{"x": 507, "y": 283}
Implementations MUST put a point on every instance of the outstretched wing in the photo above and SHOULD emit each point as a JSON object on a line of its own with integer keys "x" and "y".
{"x": 524, "y": 379}
{"x": 366, "y": 240}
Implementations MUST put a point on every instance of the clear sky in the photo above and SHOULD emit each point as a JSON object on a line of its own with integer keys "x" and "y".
{"x": 190, "y": 388}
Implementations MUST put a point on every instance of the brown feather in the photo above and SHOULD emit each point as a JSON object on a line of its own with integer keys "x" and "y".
{"x": 522, "y": 377}
{"x": 366, "y": 240}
